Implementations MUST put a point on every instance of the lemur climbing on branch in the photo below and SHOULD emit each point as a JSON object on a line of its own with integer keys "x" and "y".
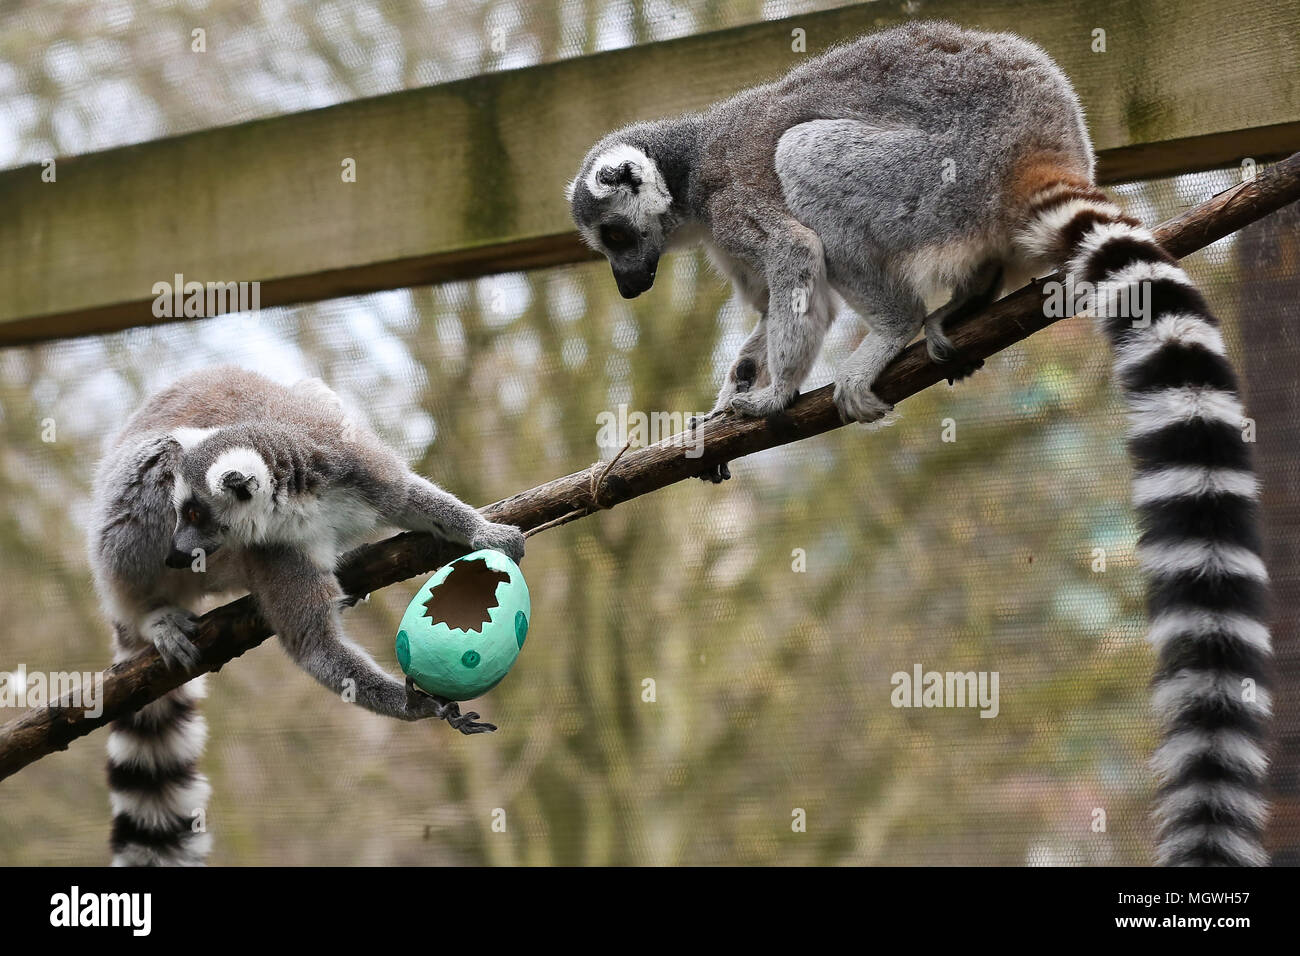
{"x": 930, "y": 158}
{"x": 227, "y": 481}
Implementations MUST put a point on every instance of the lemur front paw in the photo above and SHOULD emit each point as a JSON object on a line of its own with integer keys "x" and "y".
{"x": 421, "y": 705}
{"x": 763, "y": 402}
{"x": 858, "y": 403}
{"x": 172, "y": 630}
{"x": 505, "y": 538}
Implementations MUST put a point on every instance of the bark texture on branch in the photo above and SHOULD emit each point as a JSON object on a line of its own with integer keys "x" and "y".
{"x": 228, "y": 631}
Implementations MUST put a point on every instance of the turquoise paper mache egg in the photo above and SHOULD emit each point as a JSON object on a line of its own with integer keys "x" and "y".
{"x": 464, "y": 628}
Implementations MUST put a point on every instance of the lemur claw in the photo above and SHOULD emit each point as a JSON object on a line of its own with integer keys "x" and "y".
{"x": 469, "y": 723}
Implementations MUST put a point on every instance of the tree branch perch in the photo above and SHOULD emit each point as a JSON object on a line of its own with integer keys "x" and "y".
{"x": 228, "y": 631}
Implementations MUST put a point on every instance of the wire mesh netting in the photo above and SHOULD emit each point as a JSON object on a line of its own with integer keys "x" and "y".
{"x": 711, "y": 673}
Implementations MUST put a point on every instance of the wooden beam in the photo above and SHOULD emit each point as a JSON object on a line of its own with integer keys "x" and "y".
{"x": 466, "y": 178}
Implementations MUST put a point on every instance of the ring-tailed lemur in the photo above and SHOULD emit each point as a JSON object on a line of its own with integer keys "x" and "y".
{"x": 929, "y": 157}
{"x": 229, "y": 481}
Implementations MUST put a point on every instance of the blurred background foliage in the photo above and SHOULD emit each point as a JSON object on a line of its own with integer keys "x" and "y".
{"x": 772, "y": 684}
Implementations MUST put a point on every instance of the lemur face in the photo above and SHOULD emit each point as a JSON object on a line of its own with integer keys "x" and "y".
{"x": 219, "y": 495}
{"x": 619, "y": 202}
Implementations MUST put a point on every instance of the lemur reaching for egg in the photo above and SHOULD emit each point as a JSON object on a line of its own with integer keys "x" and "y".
{"x": 228, "y": 481}
{"x": 930, "y": 159}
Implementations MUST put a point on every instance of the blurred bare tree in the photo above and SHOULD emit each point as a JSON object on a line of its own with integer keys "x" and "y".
{"x": 707, "y": 664}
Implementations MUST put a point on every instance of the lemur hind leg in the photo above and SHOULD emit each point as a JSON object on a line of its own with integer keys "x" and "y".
{"x": 748, "y": 371}
{"x": 895, "y": 314}
{"x": 765, "y": 236}
{"x": 972, "y": 296}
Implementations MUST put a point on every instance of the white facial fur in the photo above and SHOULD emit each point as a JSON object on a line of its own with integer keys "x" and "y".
{"x": 323, "y": 525}
{"x": 189, "y": 437}
{"x": 180, "y": 491}
{"x": 247, "y": 520}
{"x": 644, "y": 205}
{"x": 247, "y": 462}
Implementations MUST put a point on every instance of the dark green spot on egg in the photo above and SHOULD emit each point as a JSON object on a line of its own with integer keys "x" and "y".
{"x": 470, "y": 658}
{"x": 521, "y": 627}
{"x": 403, "y": 650}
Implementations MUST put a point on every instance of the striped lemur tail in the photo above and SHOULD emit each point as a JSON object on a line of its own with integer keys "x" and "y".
{"x": 157, "y": 793}
{"x": 1195, "y": 495}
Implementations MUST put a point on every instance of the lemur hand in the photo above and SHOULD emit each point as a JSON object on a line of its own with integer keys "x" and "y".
{"x": 421, "y": 705}
{"x": 500, "y": 537}
{"x": 172, "y": 631}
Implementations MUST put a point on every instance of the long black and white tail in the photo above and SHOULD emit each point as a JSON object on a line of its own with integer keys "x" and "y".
{"x": 157, "y": 793}
{"x": 1196, "y": 499}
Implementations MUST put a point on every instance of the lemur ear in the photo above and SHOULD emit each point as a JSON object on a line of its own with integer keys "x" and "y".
{"x": 624, "y": 174}
{"x": 241, "y": 486}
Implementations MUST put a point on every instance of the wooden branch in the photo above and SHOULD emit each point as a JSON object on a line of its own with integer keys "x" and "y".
{"x": 228, "y": 631}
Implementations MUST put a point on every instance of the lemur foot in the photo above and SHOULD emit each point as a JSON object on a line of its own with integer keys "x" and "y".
{"x": 500, "y": 537}
{"x": 172, "y": 631}
{"x": 944, "y": 353}
{"x": 696, "y": 421}
{"x": 858, "y": 403}
{"x": 965, "y": 371}
{"x": 714, "y": 474}
{"x": 421, "y": 704}
{"x": 468, "y": 723}
{"x": 764, "y": 402}
{"x": 941, "y": 348}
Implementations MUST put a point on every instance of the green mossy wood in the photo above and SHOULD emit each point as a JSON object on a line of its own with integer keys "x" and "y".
{"x": 467, "y": 178}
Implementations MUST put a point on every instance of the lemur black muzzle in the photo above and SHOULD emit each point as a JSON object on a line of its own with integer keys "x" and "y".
{"x": 632, "y": 282}
{"x": 182, "y": 551}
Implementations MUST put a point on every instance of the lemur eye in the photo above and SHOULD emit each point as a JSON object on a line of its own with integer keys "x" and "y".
{"x": 192, "y": 515}
{"x": 615, "y": 237}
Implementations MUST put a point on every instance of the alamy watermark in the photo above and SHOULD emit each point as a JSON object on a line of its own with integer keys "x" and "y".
{"x": 923, "y": 688}
{"x": 133, "y": 911}
{"x": 637, "y": 429}
{"x": 1102, "y": 300}
{"x": 179, "y": 299}
{"x": 21, "y": 689}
